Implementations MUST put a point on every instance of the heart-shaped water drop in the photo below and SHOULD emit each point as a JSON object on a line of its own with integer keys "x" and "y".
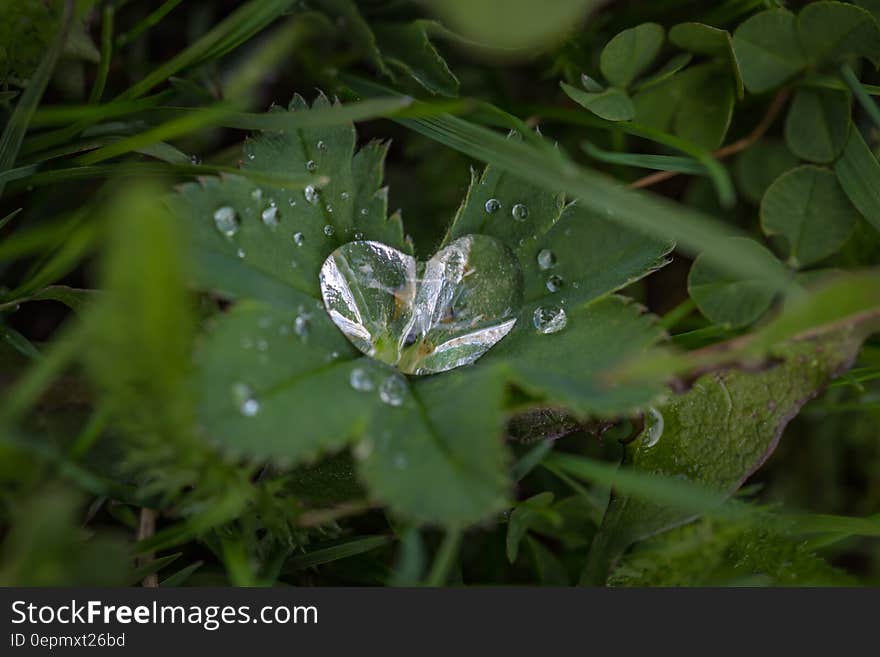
{"x": 423, "y": 317}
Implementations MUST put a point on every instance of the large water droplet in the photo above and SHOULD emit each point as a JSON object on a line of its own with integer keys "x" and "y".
{"x": 653, "y": 426}
{"x": 493, "y": 205}
{"x": 311, "y": 194}
{"x": 423, "y": 318}
{"x": 243, "y": 396}
{"x": 549, "y": 320}
{"x": 361, "y": 379}
{"x": 270, "y": 216}
{"x": 519, "y": 212}
{"x": 392, "y": 391}
{"x": 226, "y": 220}
{"x": 546, "y": 259}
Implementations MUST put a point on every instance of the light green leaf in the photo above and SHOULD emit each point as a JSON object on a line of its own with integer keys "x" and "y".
{"x": 718, "y": 434}
{"x": 818, "y": 124}
{"x": 836, "y": 30}
{"x": 809, "y": 209}
{"x": 768, "y": 49}
{"x": 759, "y": 165}
{"x": 630, "y": 53}
{"x": 859, "y": 175}
{"x": 520, "y": 26}
{"x": 611, "y": 104}
{"x": 728, "y": 300}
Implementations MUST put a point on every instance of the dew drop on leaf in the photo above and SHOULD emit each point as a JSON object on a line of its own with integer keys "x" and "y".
{"x": 392, "y": 391}
{"x": 311, "y": 165}
{"x": 549, "y": 320}
{"x": 555, "y": 283}
{"x": 493, "y": 205}
{"x": 257, "y": 194}
{"x": 299, "y": 239}
{"x": 329, "y": 230}
{"x": 361, "y": 379}
{"x": 519, "y": 212}
{"x": 311, "y": 194}
{"x": 226, "y": 220}
{"x": 240, "y": 253}
{"x": 301, "y": 324}
{"x": 248, "y": 405}
{"x": 270, "y": 216}
{"x": 321, "y": 145}
{"x": 653, "y": 426}
{"x": 546, "y": 259}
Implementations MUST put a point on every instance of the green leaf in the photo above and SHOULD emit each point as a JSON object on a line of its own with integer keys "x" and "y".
{"x": 768, "y": 49}
{"x": 665, "y": 72}
{"x": 731, "y": 300}
{"x": 521, "y": 25}
{"x": 611, "y": 104}
{"x": 406, "y": 48}
{"x": 630, "y": 53}
{"x": 809, "y": 209}
{"x": 699, "y": 38}
{"x": 859, "y": 175}
{"x": 697, "y": 105}
{"x": 439, "y": 457}
{"x": 718, "y": 434}
{"x": 521, "y": 518}
{"x": 759, "y": 165}
{"x": 836, "y": 30}
{"x": 818, "y": 124}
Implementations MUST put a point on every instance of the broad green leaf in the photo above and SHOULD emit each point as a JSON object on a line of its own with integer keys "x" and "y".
{"x": 611, "y": 104}
{"x": 700, "y": 38}
{"x": 438, "y": 457}
{"x": 872, "y": 6}
{"x": 859, "y": 175}
{"x": 406, "y": 48}
{"x": 718, "y": 434}
{"x": 517, "y": 27}
{"x": 759, "y": 165}
{"x": 818, "y": 124}
{"x": 836, "y": 30}
{"x": 725, "y": 553}
{"x": 630, "y": 53}
{"x": 727, "y": 300}
{"x": 696, "y": 104}
{"x": 768, "y": 49}
{"x": 809, "y": 209}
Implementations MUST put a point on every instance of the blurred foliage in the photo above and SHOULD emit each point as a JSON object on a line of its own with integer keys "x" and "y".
{"x": 160, "y": 362}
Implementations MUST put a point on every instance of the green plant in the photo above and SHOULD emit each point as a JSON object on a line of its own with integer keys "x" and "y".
{"x": 543, "y": 375}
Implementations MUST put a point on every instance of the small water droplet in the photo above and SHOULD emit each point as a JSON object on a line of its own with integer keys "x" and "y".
{"x": 248, "y": 405}
{"x": 270, "y": 216}
{"x": 546, "y": 259}
{"x": 493, "y": 205}
{"x": 329, "y": 208}
{"x": 364, "y": 212}
{"x": 359, "y": 235}
{"x": 195, "y": 159}
{"x": 311, "y": 194}
{"x": 519, "y": 212}
{"x": 393, "y": 390}
{"x": 302, "y": 324}
{"x": 240, "y": 253}
{"x": 299, "y": 239}
{"x": 361, "y": 379}
{"x": 311, "y": 165}
{"x": 400, "y": 461}
{"x": 653, "y": 426}
{"x": 555, "y": 283}
{"x": 291, "y": 202}
{"x": 329, "y": 230}
{"x": 226, "y": 220}
{"x": 257, "y": 194}
{"x": 549, "y": 320}
{"x": 344, "y": 196}
{"x": 321, "y": 145}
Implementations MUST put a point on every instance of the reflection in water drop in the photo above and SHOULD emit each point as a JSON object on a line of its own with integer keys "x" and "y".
{"x": 361, "y": 379}
{"x": 549, "y": 320}
{"x": 393, "y": 390}
{"x": 519, "y": 212}
{"x": 493, "y": 205}
{"x": 311, "y": 194}
{"x": 329, "y": 230}
{"x": 555, "y": 283}
{"x": 653, "y": 426}
{"x": 423, "y": 318}
{"x": 546, "y": 259}
{"x": 270, "y": 216}
{"x": 226, "y": 220}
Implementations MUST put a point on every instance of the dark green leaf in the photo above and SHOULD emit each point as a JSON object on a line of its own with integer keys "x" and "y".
{"x": 407, "y": 49}
{"x": 611, "y": 104}
{"x": 759, "y": 165}
{"x": 836, "y": 30}
{"x": 810, "y": 210}
{"x": 768, "y": 49}
{"x": 818, "y": 124}
{"x": 859, "y": 175}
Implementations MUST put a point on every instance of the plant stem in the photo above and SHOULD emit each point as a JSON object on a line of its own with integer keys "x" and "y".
{"x": 445, "y": 558}
{"x": 146, "y": 528}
